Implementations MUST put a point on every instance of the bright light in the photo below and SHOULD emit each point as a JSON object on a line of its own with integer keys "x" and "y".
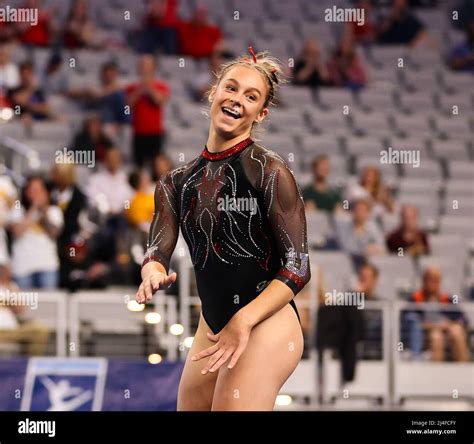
{"x": 6, "y": 114}
{"x": 188, "y": 341}
{"x": 154, "y": 358}
{"x": 135, "y": 306}
{"x": 153, "y": 318}
{"x": 176, "y": 329}
{"x": 283, "y": 400}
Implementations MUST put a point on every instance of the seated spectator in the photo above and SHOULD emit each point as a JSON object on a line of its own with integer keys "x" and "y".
{"x": 28, "y": 97}
{"x": 161, "y": 165}
{"x": 13, "y": 329}
{"x": 462, "y": 56}
{"x": 92, "y": 137}
{"x": 160, "y": 30}
{"x": 108, "y": 190}
{"x": 38, "y": 34}
{"x": 9, "y": 72}
{"x": 54, "y": 79}
{"x": 360, "y": 236}
{"x": 8, "y": 195}
{"x": 72, "y": 202}
{"x": 401, "y": 26}
{"x": 320, "y": 195}
{"x": 408, "y": 238}
{"x": 202, "y": 83}
{"x": 35, "y": 227}
{"x": 7, "y": 32}
{"x": 146, "y": 99}
{"x": 366, "y": 33}
{"x": 142, "y": 206}
{"x": 345, "y": 67}
{"x": 80, "y": 31}
{"x": 198, "y": 37}
{"x": 109, "y": 101}
{"x": 309, "y": 69}
{"x": 367, "y": 279}
{"x": 439, "y": 325}
{"x": 371, "y": 187}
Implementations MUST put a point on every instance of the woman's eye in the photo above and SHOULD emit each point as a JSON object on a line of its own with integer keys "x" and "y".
{"x": 231, "y": 88}
{"x": 252, "y": 98}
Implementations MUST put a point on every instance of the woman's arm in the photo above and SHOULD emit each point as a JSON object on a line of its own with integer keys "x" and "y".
{"x": 162, "y": 240}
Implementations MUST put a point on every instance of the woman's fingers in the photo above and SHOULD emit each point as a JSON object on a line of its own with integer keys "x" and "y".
{"x": 214, "y": 358}
{"x": 140, "y": 296}
{"x": 224, "y": 358}
{"x": 208, "y": 352}
{"x": 236, "y": 355}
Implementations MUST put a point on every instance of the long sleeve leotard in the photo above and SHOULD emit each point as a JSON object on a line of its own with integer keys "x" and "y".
{"x": 242, "y": 216}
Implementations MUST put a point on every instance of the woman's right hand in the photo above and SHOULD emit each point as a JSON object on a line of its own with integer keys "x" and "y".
{"x": 151, "y": 283}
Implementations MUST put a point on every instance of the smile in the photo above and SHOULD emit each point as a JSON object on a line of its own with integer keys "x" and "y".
{"x": 231, "y": 112}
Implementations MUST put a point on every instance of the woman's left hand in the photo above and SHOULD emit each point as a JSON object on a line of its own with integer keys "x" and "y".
{"x": 230, "y": 344}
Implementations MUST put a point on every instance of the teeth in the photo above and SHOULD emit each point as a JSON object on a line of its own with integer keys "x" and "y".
{"x": 231, "y": 111}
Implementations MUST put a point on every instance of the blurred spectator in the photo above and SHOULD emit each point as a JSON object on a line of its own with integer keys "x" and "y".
{"x": 9, "y": 73}
{"x": 365, "y": 33}
{"x": 72, "y": 202}
{"x": 438, "y": 325}
{"x": 340, "y": 327}
{"x": 142, "y": 206}
{"x": 360, "y": 236}
{"x": 409, "y": 237}
{"x": 161, "y": 165}
{"x": 8, "y": 195}
{"x": 110, "y": 99}
{"x": 161, "y": 21}
{"x": 197, "y": 37}
{"x": 367, "y": 279}
{"x": 55, "y": 79}
{"x": 345, "y": 67}
{"x": 40, "y": 33}
{"x": 146, "y": 99}
{"x": 29, "y": 97}
{"x": 35, "y": 227}
{"x": 462, "y": 56}
{"x": 12, "y": 328}
{"x": 80, "y": 31}
{"x": 202, "y": 83}
{"x": 92, "y": 138}
{"x": 108, "y": 189}
{"x": 370, "y": 186}
{"x": 320, "y": 195}
{"x": 401, "y": 26}
{"x": 309, "y": 69}
{"x": 7, "y": 32}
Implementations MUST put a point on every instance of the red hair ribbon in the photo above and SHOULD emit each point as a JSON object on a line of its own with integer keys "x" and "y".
{"x": 253, "y": 54}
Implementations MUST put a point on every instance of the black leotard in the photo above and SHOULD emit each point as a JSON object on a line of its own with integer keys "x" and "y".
{"x": 242, "y": 216}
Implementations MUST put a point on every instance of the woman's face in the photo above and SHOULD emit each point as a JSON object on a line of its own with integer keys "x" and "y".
{"x": 37, "y": 193}
{"x": 237, "y": 101}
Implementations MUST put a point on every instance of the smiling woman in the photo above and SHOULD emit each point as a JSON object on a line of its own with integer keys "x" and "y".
{"x": 250, "y": 259}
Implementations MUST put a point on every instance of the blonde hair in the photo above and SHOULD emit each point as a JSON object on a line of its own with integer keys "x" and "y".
{"x": 265, "y": 64}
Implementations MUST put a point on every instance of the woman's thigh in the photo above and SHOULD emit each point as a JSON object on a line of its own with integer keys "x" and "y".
{"x": 195, "y": 389}
{"x": 274, "y": 350}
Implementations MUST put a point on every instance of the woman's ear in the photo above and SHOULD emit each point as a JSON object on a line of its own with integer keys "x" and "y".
{"x": 262, "y": 115}
{"x": 212, "y": 93}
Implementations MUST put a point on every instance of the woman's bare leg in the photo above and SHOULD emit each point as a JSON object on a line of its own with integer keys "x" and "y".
{"x": 195, "y": 389}
{"x": 274, "y": 350}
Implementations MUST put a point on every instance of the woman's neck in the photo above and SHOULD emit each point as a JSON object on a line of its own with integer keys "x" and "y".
{"x": 217, "y": 143}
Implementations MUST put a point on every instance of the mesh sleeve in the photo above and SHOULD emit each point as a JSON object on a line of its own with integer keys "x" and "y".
{"x": 164, "y": 228}
{"x": 284, "y": 208}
